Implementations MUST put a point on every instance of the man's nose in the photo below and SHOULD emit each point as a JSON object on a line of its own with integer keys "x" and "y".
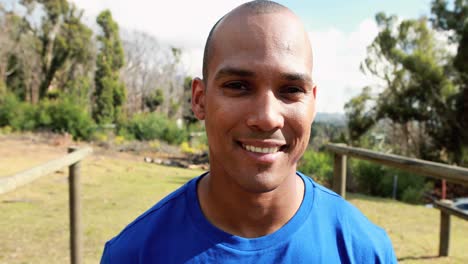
{"x": 266, "y": 113}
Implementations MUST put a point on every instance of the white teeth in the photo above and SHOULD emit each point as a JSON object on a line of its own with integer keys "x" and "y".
{"x": 260, "y": 150}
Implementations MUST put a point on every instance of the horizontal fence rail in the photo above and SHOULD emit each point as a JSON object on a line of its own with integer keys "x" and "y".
{"x": 73, "y": 162}
{"x": 450, "y": 209}
{"x": 425, "y": 168}
{"x": 9, "y": 183}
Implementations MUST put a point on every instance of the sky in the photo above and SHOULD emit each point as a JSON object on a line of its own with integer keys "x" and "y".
{"x": 340, "y": 31}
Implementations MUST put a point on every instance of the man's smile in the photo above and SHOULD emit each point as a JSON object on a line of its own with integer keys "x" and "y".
{"x": 260, "y": 150}
{"x": 263, "y": 151}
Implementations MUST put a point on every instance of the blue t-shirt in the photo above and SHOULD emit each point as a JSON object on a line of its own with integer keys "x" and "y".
{"x": 325, "y": 229}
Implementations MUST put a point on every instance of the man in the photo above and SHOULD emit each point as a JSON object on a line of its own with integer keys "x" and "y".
{"x": 257, "y": 99}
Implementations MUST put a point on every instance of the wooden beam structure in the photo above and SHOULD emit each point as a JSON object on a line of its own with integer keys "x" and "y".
{"x": 9, "y": 183}
{"x": 426, "y": 168}
{"x": 73, "y": 162}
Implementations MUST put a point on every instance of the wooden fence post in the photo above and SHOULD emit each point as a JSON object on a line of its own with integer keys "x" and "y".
{"x": 75, "y": 211}
{"x": 444, "y": 238}
{"x": 339, "y": 175}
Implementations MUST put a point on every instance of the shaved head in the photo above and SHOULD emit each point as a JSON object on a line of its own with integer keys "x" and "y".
{"x": 257, "y": 7}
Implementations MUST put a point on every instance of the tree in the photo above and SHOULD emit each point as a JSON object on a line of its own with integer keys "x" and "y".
{"x": 188, "y": 115}
{"x": 151, "y": 65}
{"x": 417, "y": 89}
{"x": 154, "y": 100}
{"x": 48, "y": 54}
{"x": 19, "y": 60}
{"x": 110, "y": 92}
{"x": 360, "y": 119}
{"x": 455, "y": 22}
{"x": 142, "y": 72}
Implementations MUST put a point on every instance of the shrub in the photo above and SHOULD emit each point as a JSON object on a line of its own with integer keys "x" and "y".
{"x": 6, "y": 130}
{"x": 368, "y": 177}
{"x": 412, "y": 195}
{"x": 119, "y": 140}
{"x": 319, "y": 165}
{"x": 375, "y": 179}
{"x": 58, "y": 116}
{"x": 66, "y": 116}
{"x": 16, "y": 114}
{"x": 123, "y": 131}
{"x": 186, "y": 148}
{"x": 155, "y": 126}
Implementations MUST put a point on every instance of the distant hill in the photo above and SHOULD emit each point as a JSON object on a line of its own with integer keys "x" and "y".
{"x": 331, "y": 118}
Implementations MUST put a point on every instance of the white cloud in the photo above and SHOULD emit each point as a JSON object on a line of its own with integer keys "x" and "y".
{"x": 337, "y": 56}
{"x": 186, "y": 24}
{"x": 183, "y": 23}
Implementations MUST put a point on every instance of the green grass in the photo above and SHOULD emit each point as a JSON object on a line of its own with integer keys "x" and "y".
{"x": 414, "y": 229}
{"x": 34, "y": 219}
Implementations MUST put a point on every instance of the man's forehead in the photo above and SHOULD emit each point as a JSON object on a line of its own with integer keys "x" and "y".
{"x": 262, "y": 34}
{"x": 262, "y": 26}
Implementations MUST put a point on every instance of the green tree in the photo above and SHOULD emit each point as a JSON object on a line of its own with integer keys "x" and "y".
{"x": 64, "y": 41}
{"x": 454, "y": 20}
{"x": 18, "y": 55}
{"x": 154, "y": 99}
{"x": 417, "y": 88}
{"x": 110, "y": 92}
{"x": 47, "y": 54}
{"x": 187, "y": 114}
{"x": 360, "y": 119}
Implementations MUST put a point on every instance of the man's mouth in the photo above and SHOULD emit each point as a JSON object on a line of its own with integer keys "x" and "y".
{"x": 263, "y": 147}
{"x": 260, "y": 150}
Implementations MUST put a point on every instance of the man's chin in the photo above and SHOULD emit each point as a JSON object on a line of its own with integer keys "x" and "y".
{"x": 261, "y": 182}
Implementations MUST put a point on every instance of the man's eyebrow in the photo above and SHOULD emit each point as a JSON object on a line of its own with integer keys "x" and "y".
{"x": 297, "y": 77}
{"x": 231, "y": 71}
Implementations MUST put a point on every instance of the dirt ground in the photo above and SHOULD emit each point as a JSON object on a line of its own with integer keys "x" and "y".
{"x": 20, "y": 152}
{"x": 23, "y": 151}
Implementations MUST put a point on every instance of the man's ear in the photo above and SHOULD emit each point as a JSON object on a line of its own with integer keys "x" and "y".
{"x": 314, "y": 90}
{"x": 198, "y": 98}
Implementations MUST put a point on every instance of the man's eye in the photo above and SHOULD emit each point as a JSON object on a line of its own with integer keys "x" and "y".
{"x": 236, "y": 86}
{"x": 292, "y": 90}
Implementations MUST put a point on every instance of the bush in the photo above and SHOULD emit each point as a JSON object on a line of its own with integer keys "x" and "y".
{"x": 186, "y": 148}
{"x": 412, "y": 195}
{"x": 66, "y": 116}
{"x": 155, "y": 126}
{"x": 368, "y": 177}
{"x": 378, "y": 180}
{"x": 58, "y": 116}
{"x": 319, "y": 165}
{"x": 16, "y": 114}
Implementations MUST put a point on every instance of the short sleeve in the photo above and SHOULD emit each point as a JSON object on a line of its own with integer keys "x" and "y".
{"x": 105, "y": 259}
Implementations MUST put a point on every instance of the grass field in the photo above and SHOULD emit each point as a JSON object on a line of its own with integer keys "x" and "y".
{"x": 34, "y": 218}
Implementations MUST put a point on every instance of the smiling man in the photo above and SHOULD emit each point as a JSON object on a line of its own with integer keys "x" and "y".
{"x": 257, "y": 98}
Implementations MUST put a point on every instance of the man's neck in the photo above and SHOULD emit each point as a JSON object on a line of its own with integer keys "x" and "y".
{"x": 248, "y": 214}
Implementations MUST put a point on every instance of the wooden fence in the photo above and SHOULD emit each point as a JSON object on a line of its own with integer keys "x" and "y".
{"x": 73, "y": 161}
{"x": 425, "y": 168}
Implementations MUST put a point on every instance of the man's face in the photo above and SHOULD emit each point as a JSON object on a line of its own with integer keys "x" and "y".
{"x": 258, "y": 102}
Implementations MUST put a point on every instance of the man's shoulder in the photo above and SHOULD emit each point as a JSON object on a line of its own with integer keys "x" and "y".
{"x": 328, "y": 202}
{"x": 355, "y": 233}
{"x": 335, "y": 209}
{"x": 161, "y": 216}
